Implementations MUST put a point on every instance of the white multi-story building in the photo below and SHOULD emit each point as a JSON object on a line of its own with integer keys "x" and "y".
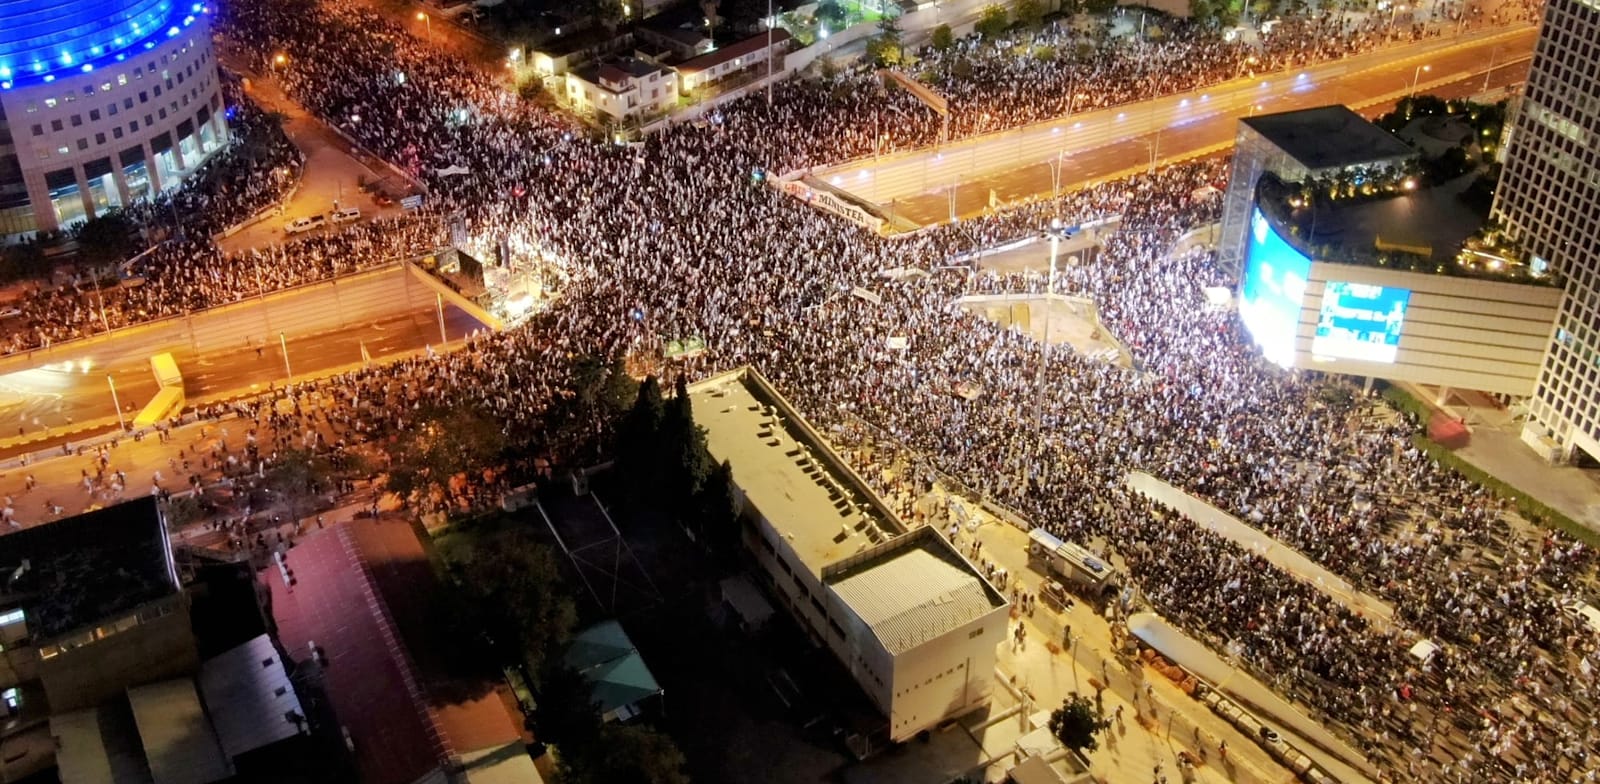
{"x": 624, "y": 88}
{"x": 914, "y": 622}
{"x": 101, "y": 102}
{"x": 1549, "y": 201}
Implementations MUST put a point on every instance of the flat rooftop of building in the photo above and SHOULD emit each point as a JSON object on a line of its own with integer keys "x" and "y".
{"x": 86, "y": 568}
{"x": 913, "y": 590}
{"x": 178, "y": 740}
{"x": 1429, "y": 225}
{"x": 1328, "y": 137}
{"x": 785, "y": 471}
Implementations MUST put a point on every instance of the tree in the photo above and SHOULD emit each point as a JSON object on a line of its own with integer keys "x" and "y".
{"x": 942, "y": 39}
{"x": 716, "y": 514}
{"x": 992, "y": 23}
{"x": 1076, "y": 723}
{"x": 831, "y": 14}
{"x": 516, "y": 583}
{"x": 183, "y": 510}
{"x": 626, "y": 752}
{"x": 638, "y": 446}
{"x": 293, "y": 480}
{"x": 709, "y": 8}
{"x": 23, "y": 260}
{"x": 443, "y": 442}
{"x": 686, "y": 460}
{"x": 884, "y": 48}
{"x": 106, "y": 240}
{"x": 607, "y": 12}
{"x": 884, "y": 51}
{"x": 1030, "y": 13}
{"x": 565, "y": 714}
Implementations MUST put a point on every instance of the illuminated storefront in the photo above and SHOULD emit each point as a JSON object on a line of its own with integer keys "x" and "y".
{"x": 102, "y": 102}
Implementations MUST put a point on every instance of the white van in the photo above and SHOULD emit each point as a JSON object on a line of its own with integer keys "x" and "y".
{"x": 1582, "y": 612}
{"x": 302, "y": 225}
{"x": 346, "y": 215}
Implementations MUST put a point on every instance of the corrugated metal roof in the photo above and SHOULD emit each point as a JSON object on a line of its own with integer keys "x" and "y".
{"x": 249, "y": 696}
{"x": 912, "y": 598}
{"x": 178, "y": 740}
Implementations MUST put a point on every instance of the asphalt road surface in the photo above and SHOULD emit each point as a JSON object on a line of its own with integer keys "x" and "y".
{"x": 1097, "y": 145}
{"x": 64, "y": 399}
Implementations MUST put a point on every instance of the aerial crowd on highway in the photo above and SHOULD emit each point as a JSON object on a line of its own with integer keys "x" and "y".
{"x": 680, "y": 236}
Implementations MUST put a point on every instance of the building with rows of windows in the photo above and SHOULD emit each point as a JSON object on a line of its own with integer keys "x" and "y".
{"x": 1549, "y": 201}
{"x": 102, "y": 102}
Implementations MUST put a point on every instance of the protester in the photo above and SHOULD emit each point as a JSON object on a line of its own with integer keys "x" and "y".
{"x": 681, "y": 237}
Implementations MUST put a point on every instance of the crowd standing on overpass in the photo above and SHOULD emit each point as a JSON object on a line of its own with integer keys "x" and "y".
{"x": 680, "y": 237}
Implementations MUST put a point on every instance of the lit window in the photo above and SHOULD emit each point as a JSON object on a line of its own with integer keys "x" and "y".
{"x": 14, "y": 616}
{"x": 50, "y": 103}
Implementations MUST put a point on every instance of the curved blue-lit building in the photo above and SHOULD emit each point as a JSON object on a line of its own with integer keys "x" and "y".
{"x": 102, "y": 102}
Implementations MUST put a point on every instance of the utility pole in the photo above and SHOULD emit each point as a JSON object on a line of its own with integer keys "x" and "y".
{"x": 443, "y": 338}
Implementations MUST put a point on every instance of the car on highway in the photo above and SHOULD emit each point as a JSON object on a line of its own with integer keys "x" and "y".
{"x": 346, "y": 215}
{"x": 302, "y": 225}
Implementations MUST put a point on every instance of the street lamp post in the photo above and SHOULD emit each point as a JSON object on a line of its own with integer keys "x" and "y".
{"x": 427, "y": 22}
{"x": 1055, "y": 173}
{"x": 1416, "y": 75}
{"x": 443, "y": 338}
{"x": 283, "y": 343}
{"x": 121, "y": 424}
{"x": 1394, "y": 9}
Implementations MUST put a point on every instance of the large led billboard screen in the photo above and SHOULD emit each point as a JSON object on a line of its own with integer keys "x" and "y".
{"x": 1273, "y": 289}
{"x": 1360, "y": 321}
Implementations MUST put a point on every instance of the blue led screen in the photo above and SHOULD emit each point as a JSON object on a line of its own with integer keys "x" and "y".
{"x": 1273, "y": 288}
{"x": 40, "y": 38}
{"x": 1360, "y": 321}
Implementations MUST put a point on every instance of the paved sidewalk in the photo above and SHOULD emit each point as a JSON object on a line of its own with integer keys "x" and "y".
{"x": 1154, "y": 728}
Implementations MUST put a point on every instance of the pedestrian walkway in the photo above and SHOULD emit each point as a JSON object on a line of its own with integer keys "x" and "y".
{"x": 1158, "y": 720}
{"x": 1280, "y": 555}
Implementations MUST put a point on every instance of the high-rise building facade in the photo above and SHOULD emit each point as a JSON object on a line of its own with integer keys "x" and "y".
{"x": 1549, "y": 201}
{"x": 102, "y": 102}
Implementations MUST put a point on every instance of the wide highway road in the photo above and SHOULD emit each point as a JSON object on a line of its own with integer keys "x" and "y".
{"x": 70, "y": 401}
{"x": 1097, "y": 145}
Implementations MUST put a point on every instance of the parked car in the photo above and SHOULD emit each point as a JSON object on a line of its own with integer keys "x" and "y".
{"x": 346, "y": 215}
{"x": 303, "y": 225}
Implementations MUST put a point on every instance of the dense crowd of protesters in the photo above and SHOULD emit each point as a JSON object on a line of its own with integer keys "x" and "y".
{"x": 184, "y": 275}
{"x": 675, "y": 238}
{"x": 257, "y": 169}
{"x": 1045, "y": 74}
